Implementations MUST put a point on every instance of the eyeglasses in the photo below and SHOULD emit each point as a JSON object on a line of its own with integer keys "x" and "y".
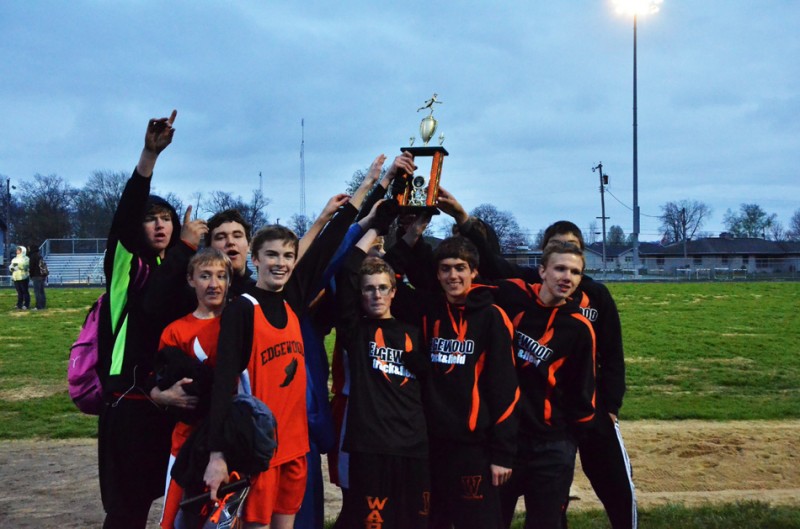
{"x": 372, "y": 289}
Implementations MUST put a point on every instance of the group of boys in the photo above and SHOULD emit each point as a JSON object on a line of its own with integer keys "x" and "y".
{"x": 462, "y": 396}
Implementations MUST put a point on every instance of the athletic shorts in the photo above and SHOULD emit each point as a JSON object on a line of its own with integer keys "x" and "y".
{"x": 390, "y": 492}
{"x": 277, "y": 490}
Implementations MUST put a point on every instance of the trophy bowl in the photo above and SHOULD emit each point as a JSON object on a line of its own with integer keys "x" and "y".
{"x": 427, "y": 128}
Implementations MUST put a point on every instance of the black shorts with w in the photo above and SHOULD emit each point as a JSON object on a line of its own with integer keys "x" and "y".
{"x": 386, "y": 492}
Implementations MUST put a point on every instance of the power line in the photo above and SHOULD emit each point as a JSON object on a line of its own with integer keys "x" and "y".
{"x": 630, "y": 208}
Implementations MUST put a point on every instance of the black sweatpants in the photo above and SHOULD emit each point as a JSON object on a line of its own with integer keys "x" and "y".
{"x": 133, "y": 451}
{"x": 605, "y": 462}
{"x": 462, "y": 494}
{"x": 542, "y": 474}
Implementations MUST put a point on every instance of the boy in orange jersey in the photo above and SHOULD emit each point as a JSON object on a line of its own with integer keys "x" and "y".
{"x": 195, "y": 337}
{"x": 260, "y": 333}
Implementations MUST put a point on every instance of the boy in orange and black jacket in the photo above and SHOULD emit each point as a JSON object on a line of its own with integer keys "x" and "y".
{"x": 604, "y": 458}
{"x": 385, "y": 432}
{"x": 554, "y": 353}
{"x": 472, "y": 390}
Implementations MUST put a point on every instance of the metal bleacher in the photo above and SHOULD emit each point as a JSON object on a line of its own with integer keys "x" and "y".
{"x": 68, "y": 269}
{"x": 74, "y": 261}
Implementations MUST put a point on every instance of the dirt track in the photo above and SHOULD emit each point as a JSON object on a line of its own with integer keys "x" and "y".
{"x": 53, "y": 484}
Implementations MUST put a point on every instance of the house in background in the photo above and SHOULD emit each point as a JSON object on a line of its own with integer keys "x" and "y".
{"x": 711, "y": 257}
{"x": 720, "y": 254}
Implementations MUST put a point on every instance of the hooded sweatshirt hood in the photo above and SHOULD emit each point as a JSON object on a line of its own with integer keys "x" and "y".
{"x": 153, "y": 201}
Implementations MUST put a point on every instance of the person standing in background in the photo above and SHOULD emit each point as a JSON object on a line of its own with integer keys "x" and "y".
{"x": 39, "y": 273}
{"x": 19, "y": 273}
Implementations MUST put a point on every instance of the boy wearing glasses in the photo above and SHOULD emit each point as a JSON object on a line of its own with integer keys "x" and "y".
{"x": 385, "y": 431}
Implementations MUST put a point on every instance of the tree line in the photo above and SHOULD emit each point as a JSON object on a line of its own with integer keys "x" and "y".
{"x": 48, "y": 207}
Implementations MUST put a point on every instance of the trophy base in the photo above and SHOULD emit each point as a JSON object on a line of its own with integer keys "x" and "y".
{"x": 418, "y": 210}
{"x": 427, "y": 150}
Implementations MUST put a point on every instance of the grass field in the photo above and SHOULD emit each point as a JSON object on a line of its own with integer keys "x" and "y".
{"x": 714, "y": 351}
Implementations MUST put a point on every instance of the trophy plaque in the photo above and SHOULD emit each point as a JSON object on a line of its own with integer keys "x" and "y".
{"x": 420, "y": 193}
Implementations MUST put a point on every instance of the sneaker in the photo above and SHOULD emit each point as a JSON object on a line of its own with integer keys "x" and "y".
{"x": 24, "y": 308}
{"x": 34, "y": 308}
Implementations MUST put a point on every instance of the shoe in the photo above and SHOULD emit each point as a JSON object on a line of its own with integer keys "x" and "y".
{"x": 34, "y": 308}
{"x": 24, "y": 308}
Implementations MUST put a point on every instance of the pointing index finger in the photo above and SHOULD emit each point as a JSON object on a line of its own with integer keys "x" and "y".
{"x": 188, "y": 215}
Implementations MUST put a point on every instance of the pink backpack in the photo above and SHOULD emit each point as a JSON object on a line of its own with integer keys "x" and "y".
{"x": 84, "y": 384}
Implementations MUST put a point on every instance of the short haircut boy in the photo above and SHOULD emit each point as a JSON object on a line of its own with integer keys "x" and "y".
{"x": 209, "y": 256}
{"x": 228, "y": 215}
{"x": 559, "y": 247}
{"x": 273, "y": 232}
{"x": 457, "y": 248}
{"x": 376, "y": 265}
{"x": 563, "y": 227}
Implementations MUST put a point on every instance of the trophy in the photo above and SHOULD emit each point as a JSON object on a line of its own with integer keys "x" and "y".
{"x": 419, "y": 193}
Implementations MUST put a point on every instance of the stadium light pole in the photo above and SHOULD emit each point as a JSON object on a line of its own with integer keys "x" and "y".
{"x": 635, "y": 8}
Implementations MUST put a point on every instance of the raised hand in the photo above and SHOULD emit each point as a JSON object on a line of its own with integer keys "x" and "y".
{"x": 159, "y": 133}
{"x": 449, "y": 205}
{"x": 375, "y": 169}
{"x": 193, "y": 231}
{"x": 401, "y": 166}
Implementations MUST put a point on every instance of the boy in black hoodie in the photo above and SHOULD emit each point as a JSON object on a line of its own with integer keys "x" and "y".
{"x": 604, "y": 458}
{"x": 472, "y": 391}
{"x": 554, "y": 354}
{"x": 133, "y": 432}
{"x": 385, "y": 433}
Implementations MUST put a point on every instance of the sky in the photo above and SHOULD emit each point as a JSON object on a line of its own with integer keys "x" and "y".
{"x": 534, "y": 95}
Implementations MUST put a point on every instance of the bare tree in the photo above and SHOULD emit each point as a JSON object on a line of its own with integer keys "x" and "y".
{"x": 46, "y": 213}
{"x": 299, "y": 224}
{"x": 616, "y": 236}
{"x": 592, "y": 235}
{"x": 538, "y": 241}
{"x": 509, "y": 234}
{"x": 96, "y": 203}
{"x": 776, "y": 232}
{"x": 793, "y": 233}
{"x": 750, "y": 221}
{"x": 683, "y": 219}
{"x": 176, "y": 202}
{"x": 358, "y": 177}
{"x": 253, "y": 211}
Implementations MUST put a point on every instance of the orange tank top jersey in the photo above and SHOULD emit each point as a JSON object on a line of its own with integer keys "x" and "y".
{"x": 277, "y": 371}
{"x": 198, "y": 338}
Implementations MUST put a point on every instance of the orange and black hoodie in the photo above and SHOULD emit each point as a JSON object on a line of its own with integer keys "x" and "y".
{"x": 472, "y": 390}
{"x": 596, "y": 304}
{"x": 554, "y": 350}
{"x": 387, "y": 360}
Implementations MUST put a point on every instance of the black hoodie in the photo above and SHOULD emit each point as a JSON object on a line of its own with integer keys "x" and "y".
{"x": 126, "y": 361}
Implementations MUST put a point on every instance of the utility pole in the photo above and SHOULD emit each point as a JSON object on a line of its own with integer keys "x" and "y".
{"x": 603, "y": 184}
